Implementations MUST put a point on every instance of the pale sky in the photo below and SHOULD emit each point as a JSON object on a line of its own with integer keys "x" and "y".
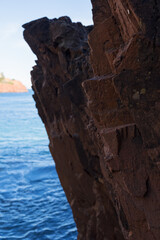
{"x": 16, "y": 58}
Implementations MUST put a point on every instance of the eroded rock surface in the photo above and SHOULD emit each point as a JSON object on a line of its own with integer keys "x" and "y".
{"x": 102, "y": 115}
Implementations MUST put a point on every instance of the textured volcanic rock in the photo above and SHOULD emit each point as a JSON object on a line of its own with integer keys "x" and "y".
{"x": 125, "y": 57}
{"x": 63, "y": 64}
{"x": 103, "y": 121}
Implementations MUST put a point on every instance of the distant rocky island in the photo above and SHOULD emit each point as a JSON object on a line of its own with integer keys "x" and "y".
{"x": 11, "y": 85}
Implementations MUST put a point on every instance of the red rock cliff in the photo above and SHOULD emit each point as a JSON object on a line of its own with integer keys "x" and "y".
{"x": 102, "y": 115}
{"x": 8, "y": 85}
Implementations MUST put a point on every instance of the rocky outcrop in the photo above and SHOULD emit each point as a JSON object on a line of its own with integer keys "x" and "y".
{"x": 100, "y": 107}
{"x": 8, "y": 85}
{"x": 125, "y": 54}
{"x": 63, "y": 64}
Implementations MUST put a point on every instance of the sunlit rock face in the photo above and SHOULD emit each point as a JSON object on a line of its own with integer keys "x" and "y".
{"x": 125, "y": 58}
{"x": 100, "y": 105}
{"x": 8, "y": 85}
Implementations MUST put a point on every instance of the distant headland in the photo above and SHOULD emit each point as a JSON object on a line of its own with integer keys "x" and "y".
{"x": 11, "y": 85}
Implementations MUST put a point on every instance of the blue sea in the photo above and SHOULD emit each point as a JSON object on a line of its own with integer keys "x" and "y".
{"x": 33, "y": 205}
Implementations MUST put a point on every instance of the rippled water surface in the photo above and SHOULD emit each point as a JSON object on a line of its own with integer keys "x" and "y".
{"x": 33, "y": 205}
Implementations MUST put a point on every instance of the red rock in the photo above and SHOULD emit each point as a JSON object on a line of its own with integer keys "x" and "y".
{"x": 103, "y": 121}
{"x": 12, "y": 86}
